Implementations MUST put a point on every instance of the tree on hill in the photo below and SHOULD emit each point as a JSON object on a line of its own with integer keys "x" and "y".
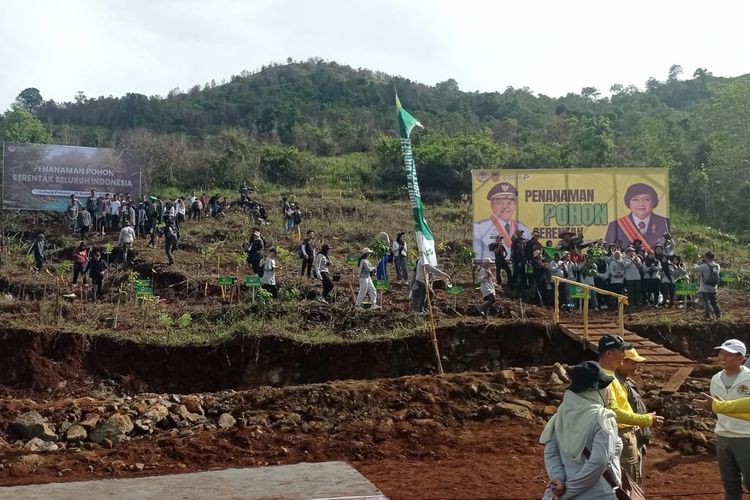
{"x": 19, "y": 125}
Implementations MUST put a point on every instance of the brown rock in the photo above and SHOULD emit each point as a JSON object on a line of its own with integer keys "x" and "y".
{"x": 193, "y": 404}
{"x": 116, "y": 466}
{"x": 89, "y": 421}
{"x": 549, "y": 410}
{"x": 33, "y": 461}
{"x": 76, "y": 432}
{"x": 513, "y": 410}
{"x": 507, "y": 375}
{"x": 225, "y": 421}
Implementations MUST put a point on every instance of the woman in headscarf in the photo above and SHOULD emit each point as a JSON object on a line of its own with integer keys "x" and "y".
{"x": 581, "y": 445}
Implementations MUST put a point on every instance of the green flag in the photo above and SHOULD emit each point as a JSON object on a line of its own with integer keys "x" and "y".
{"x": 425, "y": 240}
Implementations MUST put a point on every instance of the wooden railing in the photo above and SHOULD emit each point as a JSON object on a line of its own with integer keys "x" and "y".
{"x": 622, "y": 300}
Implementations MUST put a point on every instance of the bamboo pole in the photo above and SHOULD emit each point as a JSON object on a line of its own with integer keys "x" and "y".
{"x": 621, "y": 315}
{"x": 432, "y": 322}
{"x": 556, "y": 311}
{"x": 585, "y": 320}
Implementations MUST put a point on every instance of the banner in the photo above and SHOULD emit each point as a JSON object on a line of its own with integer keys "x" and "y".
{"x": 43, "y": 176}
{"x": 423, "y": 234}
{"x": 610, "y": 204}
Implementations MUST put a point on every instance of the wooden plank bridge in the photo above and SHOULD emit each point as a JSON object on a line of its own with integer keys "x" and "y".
{"x": 589, "y": 332}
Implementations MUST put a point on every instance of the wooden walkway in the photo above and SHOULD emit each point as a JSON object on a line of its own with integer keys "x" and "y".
{"x": 654, "y": 353}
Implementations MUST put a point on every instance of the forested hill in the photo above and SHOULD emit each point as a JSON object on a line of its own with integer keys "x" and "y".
{"x": 324, "y": 124}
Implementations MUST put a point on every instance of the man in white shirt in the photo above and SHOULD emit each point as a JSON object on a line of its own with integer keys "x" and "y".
{"x": 127, "y": 238}
{"x": 732, "y": 434}
{"x": 114, "y": 213}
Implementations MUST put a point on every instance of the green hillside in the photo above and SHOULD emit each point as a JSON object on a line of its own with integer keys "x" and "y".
{"x": 322, "y": 124}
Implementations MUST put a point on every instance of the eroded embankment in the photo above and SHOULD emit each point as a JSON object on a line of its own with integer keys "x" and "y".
{"x": 695, "y": 342}
{"x": 65, "y": 361}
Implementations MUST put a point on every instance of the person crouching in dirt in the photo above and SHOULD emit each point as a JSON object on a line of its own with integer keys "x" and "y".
{"x": 268, "y": 279}
{"x": 80, "y": 261}
{"x": 96, "y": 269}
{"x": 581, "y": 446}
{"x": 627, "y": 369}
{"x": 611, "y": 355}
{"x": 321, "y": 271}
{"x": 37, "y": 249}
{"x": 171, "y": 235}
{"x": 486, "y": 286}
{"x": 366, "y": 286}
{"x": 127, "y": 238}
{"x": 419, "y": 289}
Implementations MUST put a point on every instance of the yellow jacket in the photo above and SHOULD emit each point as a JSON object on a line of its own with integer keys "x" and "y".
{"x": 624, "y": 413}
{"x": 737, "y": 408}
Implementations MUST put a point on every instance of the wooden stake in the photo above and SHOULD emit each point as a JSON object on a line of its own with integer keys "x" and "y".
{"x": 556, "y": 311}
{"x": 586, "y": 319}
{"x": 432, "y": 322}
{"x": 117, "y": 308}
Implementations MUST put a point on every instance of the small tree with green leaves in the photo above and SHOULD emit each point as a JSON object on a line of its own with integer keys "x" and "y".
{"x": 167, "y": 322}
{"x": 107, "y": 249}
{"x": 184, "y": 320}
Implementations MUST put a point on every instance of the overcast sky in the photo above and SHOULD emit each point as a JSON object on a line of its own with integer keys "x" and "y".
{"x": 105, "y": 47}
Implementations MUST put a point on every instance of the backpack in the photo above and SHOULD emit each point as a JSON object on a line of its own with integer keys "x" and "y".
{"x": 713, "y": 275}
{"x": 297, "y": 217}
{"x": 301, "y": 251}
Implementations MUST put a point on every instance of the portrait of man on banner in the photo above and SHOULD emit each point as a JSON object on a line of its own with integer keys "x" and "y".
{"x": 502, "y": 198}
{"x": 641, "y": 223}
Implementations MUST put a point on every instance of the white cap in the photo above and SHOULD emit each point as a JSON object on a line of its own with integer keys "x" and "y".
{"x": 734, "y": 346}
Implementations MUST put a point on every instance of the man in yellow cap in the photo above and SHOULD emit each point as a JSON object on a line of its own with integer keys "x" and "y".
{"x": 623, "y": 373}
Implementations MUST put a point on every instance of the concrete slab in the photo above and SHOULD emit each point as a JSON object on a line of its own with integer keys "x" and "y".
{"x": 306, "y": 481}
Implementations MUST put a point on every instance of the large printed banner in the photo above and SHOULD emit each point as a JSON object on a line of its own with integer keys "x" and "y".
{"x": 43, "y": 176}
{"x": 613, "y": 204}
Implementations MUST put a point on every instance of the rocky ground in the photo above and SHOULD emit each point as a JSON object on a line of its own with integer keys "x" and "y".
{"x": 470, "y": 435}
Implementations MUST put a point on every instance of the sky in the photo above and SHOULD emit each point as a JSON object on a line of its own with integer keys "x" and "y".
{"x": 107, "y": 47}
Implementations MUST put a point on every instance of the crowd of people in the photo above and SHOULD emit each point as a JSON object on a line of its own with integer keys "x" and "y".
{"x": 648, "y": 276}
{"x": 595, "y": 443}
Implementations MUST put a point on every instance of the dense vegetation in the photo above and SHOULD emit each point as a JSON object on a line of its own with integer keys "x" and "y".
{"x": 321, "y": 124}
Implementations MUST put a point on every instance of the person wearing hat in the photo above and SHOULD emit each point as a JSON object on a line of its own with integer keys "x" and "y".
{"x": 533, "y": 244}
{"x": 255, "y": 252}
{"x": 732, "y": 434}
{"x": 127, "y": 238}
{"x": 641, "y": 223}
{"x": 611, "y": 355}
{"x": 623, "y": 374}
{"x": 486, "y": 286}
{"x": 268, "y": 276}
{"x": 366, "y": 286}
{"x": 503, "y": 198}
{"x": 581, "y": 445}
